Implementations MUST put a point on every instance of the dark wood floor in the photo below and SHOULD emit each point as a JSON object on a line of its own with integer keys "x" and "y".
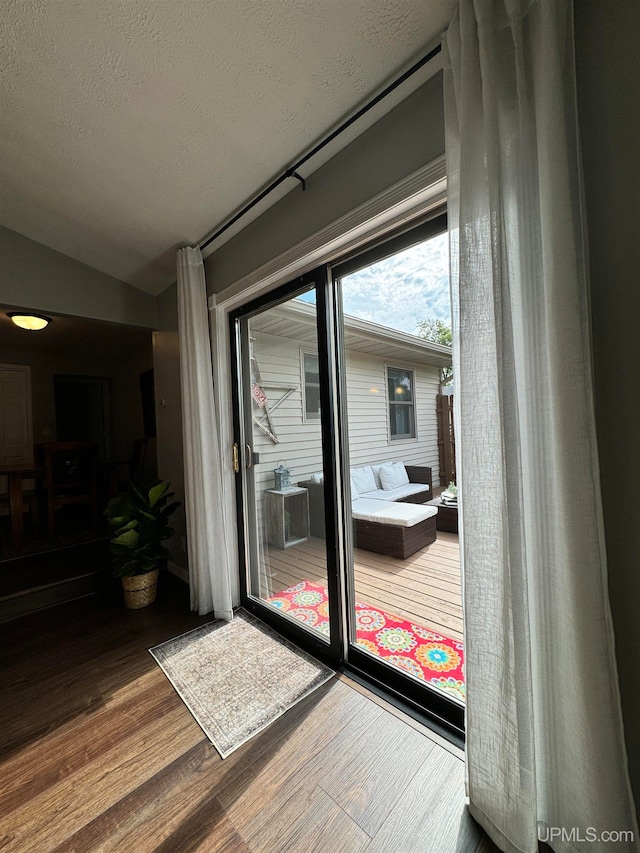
{"x": 98, "y": 753}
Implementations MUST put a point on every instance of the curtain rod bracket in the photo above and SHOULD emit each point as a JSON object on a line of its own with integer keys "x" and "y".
{"x": 291, "y": 173}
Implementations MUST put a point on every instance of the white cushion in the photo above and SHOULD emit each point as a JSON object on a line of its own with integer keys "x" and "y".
{"x": 363, "y": 479}
{"x": 399, "y": 515}
{"x": 376, "y": 472}
{"x": 376, "y": 495}
{"x": 392, "y": 476}
{"x": 397, "y": 494}
{"x": 355, "y": 494}
{"x": 318, "y": 477}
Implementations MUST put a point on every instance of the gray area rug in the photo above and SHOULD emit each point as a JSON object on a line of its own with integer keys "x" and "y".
{"x": 237, "y": 677}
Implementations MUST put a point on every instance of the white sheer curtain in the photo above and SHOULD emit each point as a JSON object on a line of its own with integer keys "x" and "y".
{"x": 545, "y": 746}
{"x": 206, "y": 537}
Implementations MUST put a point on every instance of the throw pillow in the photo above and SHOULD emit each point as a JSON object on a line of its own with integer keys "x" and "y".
{"x": 376, "y": 472}
{"x": 393, "y": 476}
{"x": 363, "y": 479}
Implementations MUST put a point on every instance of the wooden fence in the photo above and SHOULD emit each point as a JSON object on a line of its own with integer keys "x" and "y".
{"x": 446, "y": 439}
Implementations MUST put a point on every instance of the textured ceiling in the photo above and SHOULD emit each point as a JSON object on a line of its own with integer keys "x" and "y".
{"x": 130, "y": 128}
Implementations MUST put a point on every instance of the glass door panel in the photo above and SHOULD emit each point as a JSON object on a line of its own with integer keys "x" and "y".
{"x": 405, "y": 609}
{"x": 282, "y": 461}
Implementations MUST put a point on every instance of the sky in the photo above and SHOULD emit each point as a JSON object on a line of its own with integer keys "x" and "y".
{"x": 402, "y": 290}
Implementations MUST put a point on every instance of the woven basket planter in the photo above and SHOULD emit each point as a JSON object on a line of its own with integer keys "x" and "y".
{"x": 140, "y": 590}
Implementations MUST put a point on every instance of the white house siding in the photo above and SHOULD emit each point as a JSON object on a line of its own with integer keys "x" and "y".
{"x": 369, "y": 419}
{"x": 299, "y": 445}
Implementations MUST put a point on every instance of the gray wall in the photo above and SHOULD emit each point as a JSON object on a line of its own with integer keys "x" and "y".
{"x": 166, "y": 360}
{"x": 36, "y": 277}
{"x": 608, "y": 71}
{"x": 406, "y": 139}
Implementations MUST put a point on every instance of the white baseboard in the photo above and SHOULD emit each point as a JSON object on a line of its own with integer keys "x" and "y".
{"x": 178, "y": 571}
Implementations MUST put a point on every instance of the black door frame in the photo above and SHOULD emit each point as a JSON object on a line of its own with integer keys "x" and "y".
{"x": 330, "y": 652}
{"x": 430, "y": 706}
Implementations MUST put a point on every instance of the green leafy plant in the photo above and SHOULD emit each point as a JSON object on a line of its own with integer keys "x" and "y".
{"x": 139, "y": 519}
{"x": 452, "y": 488}
{"x": 433, "y": 329}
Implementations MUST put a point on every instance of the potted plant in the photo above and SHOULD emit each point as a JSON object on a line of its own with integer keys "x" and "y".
{"x": 139, "y": 519}
{"x": 450, "y": 494}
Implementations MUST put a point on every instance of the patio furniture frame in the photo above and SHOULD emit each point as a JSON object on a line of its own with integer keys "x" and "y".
{"x": 416, "y": 474}
{"x": 389, "y": 539}
{"x": 392, "y": 539}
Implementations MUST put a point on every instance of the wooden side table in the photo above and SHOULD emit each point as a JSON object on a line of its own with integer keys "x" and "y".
{"x": 447, "y": 518}
{"x": 287, "y": 516}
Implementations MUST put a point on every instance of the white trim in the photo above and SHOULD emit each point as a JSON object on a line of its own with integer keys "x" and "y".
{"x": 414, "y": 404}
{"x": 323, "y": 156}
{"x": 416, "y": 195}
{"x": 219, "y": 337}
{"x": 179, "y": 571}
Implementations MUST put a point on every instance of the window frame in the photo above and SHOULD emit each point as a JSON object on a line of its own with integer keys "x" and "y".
{"x": 394, "y": 439}
{"x": 306, "y": 418}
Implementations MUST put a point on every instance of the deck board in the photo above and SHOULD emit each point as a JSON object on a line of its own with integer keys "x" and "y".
{"x": 425, "y": 588}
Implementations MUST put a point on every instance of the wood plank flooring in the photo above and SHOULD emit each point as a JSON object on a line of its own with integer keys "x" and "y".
{"x": 425, "y": 588}
{"x": 98, "y": 753}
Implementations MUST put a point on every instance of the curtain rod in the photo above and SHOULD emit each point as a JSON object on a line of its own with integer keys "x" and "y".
{"x": 292, "y": 171}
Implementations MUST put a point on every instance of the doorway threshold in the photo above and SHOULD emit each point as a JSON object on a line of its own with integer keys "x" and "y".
{"x": 441, "y": 731}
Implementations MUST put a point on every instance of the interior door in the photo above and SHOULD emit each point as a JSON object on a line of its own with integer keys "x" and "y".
{"x": 285, "y": 446}
{"x": 82, "y": 405}
{"x": 16, "y": 437}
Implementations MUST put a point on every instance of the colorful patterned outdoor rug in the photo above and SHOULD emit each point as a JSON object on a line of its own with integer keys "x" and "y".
{"x": 422, "y": 653}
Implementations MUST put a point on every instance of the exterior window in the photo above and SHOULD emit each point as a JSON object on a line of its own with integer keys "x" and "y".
{"x": 402, "y": 415}
{"x": 311, "y": 373}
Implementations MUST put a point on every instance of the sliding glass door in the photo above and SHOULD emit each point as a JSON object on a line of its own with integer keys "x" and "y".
{"x": 403, "y": 569}
{"x": 284, "y": 441}
{"x": 333, "y": 412}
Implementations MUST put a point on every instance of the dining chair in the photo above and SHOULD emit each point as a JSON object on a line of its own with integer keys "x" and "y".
{"x": 71, "y": 477}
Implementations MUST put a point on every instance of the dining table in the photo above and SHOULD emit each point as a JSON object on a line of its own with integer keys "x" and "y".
{"x": 15, "y": 475}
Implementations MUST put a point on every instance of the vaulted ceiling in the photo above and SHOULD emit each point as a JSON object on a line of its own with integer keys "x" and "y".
{"x": 131, "y": 127}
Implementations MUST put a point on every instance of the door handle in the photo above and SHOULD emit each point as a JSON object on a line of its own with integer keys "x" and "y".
{"x": 236, "y": 464}
{"x": 249, "y": 459}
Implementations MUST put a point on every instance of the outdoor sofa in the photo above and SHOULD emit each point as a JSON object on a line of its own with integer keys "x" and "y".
{"x": 387, "y": 511}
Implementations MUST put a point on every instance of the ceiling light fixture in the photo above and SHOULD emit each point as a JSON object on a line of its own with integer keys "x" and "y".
{"x": 32, "y": 322}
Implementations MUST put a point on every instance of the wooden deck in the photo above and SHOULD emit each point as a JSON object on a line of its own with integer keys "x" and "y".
{"x": 425, "y": 588}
